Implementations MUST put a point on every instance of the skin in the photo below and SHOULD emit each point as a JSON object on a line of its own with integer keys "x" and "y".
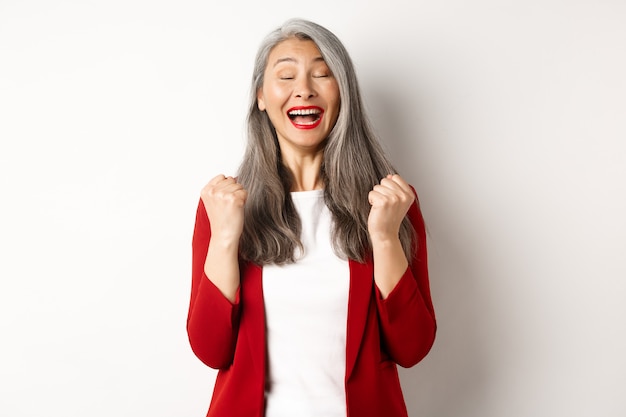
{"x": 296, "y": 75}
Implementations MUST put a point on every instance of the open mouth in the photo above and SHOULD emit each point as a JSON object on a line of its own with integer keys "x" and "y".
{"x": 305, "y": 117}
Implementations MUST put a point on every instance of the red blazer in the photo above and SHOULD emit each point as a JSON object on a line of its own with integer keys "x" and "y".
{"x": 381, "y": 333}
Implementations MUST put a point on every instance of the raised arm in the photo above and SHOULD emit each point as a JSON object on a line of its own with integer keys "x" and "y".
{"x": 213, "y": 318}
{"x": 404, "y": 302}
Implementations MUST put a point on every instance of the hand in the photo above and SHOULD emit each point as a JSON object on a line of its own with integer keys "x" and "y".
{"x": 390, "y": 202}
{"x": 224, "y": 199}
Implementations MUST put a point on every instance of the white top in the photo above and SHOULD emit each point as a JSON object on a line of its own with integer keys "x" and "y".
{"x": 306, "y": 307}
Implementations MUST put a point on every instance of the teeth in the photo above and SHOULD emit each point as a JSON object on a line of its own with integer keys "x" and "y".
{"x": 304, "y": 112}
{"x": 308, "y": 123}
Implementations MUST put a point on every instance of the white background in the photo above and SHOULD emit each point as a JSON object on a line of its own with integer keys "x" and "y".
{"x": 509, "y": 118}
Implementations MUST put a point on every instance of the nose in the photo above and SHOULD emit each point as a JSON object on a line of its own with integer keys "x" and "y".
{"x": 304, "y": 88}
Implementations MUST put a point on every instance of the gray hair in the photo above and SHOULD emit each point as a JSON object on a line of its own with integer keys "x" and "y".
{"x": 354, "y": 162}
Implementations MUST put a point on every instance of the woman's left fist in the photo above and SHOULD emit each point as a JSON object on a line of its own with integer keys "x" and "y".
{"x": 390, "y": 201}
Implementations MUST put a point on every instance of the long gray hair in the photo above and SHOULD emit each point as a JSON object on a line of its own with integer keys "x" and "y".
{"x": 353, "y": 163}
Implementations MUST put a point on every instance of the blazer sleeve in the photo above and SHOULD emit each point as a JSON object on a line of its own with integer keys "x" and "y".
{"x": 407, "y": 317}
{"x": 212, "y": 321}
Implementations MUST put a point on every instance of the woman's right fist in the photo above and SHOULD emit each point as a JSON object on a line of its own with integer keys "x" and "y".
{"x": 224, "y": 199}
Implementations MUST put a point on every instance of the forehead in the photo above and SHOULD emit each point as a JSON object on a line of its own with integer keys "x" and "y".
{"x": 294, "y": 50}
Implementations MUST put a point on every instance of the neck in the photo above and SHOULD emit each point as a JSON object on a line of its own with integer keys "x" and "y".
{"x": 306, "y": 172}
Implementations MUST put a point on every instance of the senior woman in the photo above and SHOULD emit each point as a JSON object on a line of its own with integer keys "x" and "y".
{"x": 310, "y": 281}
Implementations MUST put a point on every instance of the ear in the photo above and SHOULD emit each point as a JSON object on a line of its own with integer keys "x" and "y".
{"x": 259, "y": 100}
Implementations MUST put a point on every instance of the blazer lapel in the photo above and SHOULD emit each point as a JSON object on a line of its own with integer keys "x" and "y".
{"x": 361, "y": 279}
{"x": 252, "y": 287}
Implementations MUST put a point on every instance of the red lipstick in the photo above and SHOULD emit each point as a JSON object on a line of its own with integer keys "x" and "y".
{"x": 305, "y": 117}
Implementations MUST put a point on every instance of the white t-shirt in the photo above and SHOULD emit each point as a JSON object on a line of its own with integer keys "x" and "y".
{"x": 306, "y": 306}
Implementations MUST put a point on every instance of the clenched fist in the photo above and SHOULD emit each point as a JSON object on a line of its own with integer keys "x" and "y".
{"x": 390, "y": 202}
{"x": 224, "y": 199}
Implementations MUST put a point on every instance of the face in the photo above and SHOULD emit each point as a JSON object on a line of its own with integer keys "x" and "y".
{"x": 300, "y": 96}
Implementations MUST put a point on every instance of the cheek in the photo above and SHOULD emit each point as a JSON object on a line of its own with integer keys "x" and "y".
{"x": 333, "y": 93}
{"x": 335, "y": 99}
{"x": 275, "y": 93}
{"x": 271, "y": 99}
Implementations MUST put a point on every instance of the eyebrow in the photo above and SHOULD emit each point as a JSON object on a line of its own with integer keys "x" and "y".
{"x": 295, "y": 61}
